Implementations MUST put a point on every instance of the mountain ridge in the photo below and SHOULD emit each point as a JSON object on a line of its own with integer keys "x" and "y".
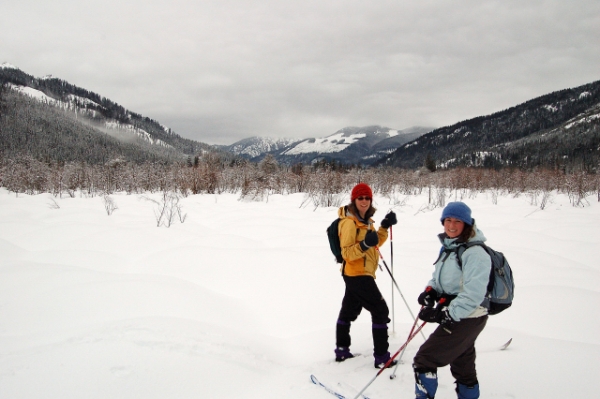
{"x": 90, "y": 110}
{"x": 560, "y": 130}
{"x": 349, "y": 145}
{"x": 517, "y": 137}
{"x": 362, "y": 145}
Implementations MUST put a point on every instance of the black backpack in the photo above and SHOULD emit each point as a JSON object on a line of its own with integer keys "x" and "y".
{"x": 334, "y": 240}
{"x": 333, "y": 236}
{"x": 501, "y": 285}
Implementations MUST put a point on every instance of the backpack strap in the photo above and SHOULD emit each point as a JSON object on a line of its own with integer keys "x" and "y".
{"x": 442, "y": 251}
{"x": 445, "y": 252}
{"x": 463, "y": 247}
{"x": 459, "y": 250}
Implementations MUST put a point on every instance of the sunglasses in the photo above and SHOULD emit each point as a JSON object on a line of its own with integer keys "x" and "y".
{"x": 363, "y": 198}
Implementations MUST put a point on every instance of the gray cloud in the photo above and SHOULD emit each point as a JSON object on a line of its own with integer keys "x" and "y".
{"x": 221, "y": 71}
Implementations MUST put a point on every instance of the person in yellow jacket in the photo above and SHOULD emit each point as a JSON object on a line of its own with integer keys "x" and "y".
{"x": 359, "y": 241}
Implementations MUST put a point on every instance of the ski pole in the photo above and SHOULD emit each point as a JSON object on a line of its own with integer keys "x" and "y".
{"x": 392, "y": 358}
{"x": 397, "y": 287}
{"x": 392, "y": 262}
{"x": 393, "y": 375}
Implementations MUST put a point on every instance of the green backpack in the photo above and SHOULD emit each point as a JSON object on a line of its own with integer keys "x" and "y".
{"x": 334, "y": 240}
{"x": 333, "y": 235}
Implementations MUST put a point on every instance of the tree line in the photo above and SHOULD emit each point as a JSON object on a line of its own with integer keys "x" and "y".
{"x": 324, "y": 184}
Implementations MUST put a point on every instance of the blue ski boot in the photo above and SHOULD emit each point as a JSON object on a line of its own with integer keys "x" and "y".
{"x": 426, "y": 383}
{"x": 467, "y": 391}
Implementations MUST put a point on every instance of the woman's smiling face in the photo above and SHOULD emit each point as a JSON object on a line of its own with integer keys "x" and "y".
{"x": 453, "y": 227}
{"x": 362, "y": 203}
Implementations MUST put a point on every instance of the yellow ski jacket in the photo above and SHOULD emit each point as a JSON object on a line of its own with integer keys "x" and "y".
{"x": 352, "y": 231}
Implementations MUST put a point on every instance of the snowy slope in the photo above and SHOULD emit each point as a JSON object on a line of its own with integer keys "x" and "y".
{"x": 6, "y": 65}
{"x": 148, "y": 138}
{"x": 348, "y": 145}
{"x": 340, "y": 140}
{"x": 240, "y": 300}
{"x": 78, "y": 105}
{"x": 256, "y": 146}
{"x": 335, "y": 143}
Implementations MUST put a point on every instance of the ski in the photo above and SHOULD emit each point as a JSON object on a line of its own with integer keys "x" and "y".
{"x": 503, "y": 347}
{"x": 328, "y": 389}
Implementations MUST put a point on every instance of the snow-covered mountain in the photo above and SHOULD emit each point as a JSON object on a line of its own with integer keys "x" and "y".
{"x": 559, "y": 130}
{"x": 350, "y": 145}
{"x": 95, "y": 123}
{"x": 254, "y": 147}
{"x": 91, "y": 113}
{"x": 342, "y": 139}
{"x": 89, "y": 110}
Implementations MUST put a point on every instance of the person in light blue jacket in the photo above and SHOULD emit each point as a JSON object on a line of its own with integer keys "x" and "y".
{"x": 453, "y": 298}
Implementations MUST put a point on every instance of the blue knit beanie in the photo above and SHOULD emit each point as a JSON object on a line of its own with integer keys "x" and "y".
{"x": 457, "y": 210}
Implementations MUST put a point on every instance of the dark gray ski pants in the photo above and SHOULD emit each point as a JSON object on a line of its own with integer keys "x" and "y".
{"x": 456, "y": 349}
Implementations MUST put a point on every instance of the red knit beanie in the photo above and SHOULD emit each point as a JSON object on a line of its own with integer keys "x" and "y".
{"x": 361, "y": 189}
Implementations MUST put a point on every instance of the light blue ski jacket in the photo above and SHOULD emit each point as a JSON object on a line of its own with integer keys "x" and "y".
{"x": 469, "y": 284}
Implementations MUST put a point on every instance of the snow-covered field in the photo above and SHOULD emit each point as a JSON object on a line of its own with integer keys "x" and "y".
{"x": 240, "y": 300}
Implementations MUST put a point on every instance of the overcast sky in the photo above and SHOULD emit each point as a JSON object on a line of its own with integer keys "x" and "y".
{"x": 222, "y": 70}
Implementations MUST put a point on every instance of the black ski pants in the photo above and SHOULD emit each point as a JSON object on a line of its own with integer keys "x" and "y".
{"x": 456, "y": 349}
{"x": 362, "y": 292}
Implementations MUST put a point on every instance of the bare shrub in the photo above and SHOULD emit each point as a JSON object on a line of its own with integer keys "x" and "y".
{"x": 109, "y": 205}
{"x": 53, "y": 204}
{"x": 167, "y": 209}
{"x": 324, "y": 199}
{"x": 546, "y": 196}
{"x": 325, "y": 184}
{"x": 578, "y": 187}
{"x": 437, "y": 197}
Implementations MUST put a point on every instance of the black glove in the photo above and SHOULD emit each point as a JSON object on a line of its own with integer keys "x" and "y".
{"x": 428, "y": 297}
{"x": 445, "y": 320}
{"x": 389, "y": 220}
{"x": 371, "y": 239}
{"x": 438, "y": 315}
{"x": 429, "y": 315}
